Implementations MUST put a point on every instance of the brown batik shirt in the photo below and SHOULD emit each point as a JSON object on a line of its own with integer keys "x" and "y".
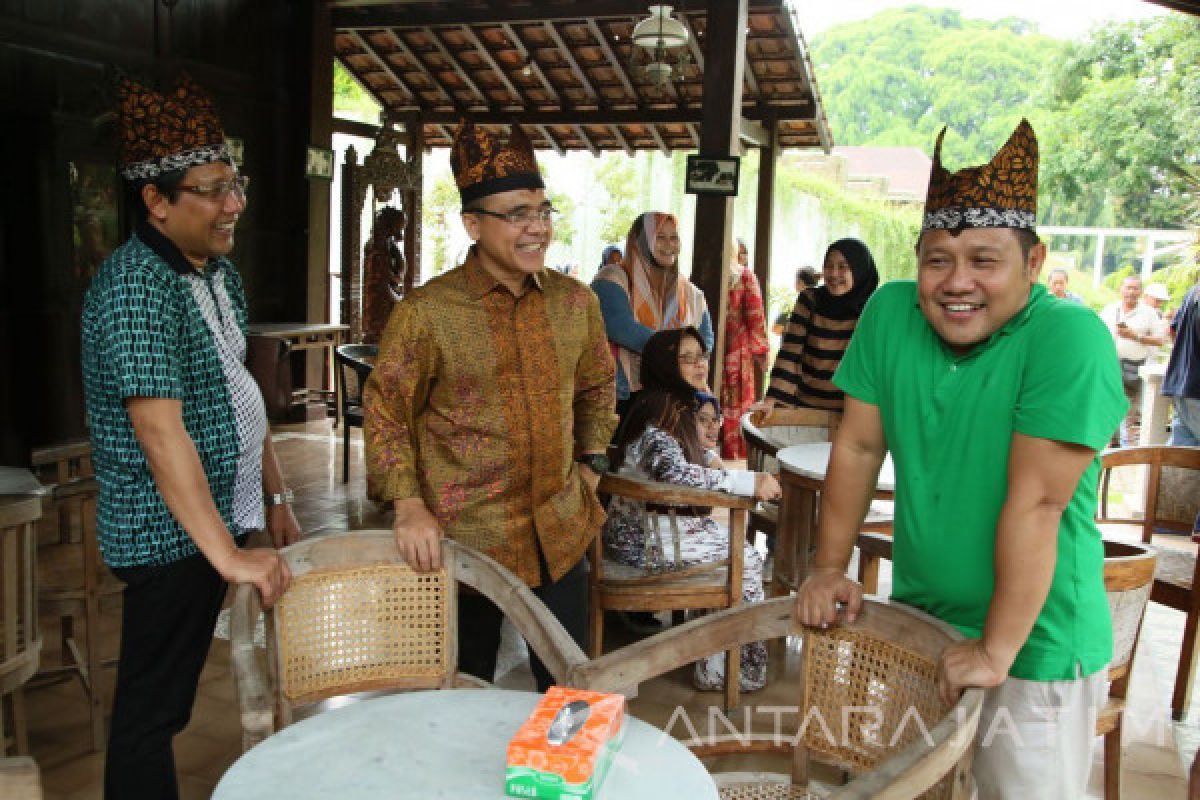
{"x": 479, "y": 404}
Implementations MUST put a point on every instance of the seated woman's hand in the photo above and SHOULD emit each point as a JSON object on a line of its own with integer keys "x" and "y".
{"x": 766, "y": 487}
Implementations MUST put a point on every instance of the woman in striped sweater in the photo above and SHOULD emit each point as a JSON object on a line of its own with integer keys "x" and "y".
{"x": 820, "y": 327}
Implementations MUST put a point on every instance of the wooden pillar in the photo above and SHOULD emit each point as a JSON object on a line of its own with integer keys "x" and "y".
{"x": 412, "y": 204}
{"x": 320, "y": 135}
{"x": 768, "y": 157}
{"x": 724, "y": 61}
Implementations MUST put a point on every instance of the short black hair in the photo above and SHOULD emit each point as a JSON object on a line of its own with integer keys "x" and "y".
{"x": 167, "y": 184}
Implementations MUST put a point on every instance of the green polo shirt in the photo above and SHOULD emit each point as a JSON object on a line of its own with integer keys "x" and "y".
{"x": 1050, "y": 372}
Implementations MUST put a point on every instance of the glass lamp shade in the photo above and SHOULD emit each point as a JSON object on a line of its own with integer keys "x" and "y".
{"x": 660, "y": 29}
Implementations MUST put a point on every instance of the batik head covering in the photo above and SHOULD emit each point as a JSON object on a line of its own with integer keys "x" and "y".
{"x": 999, "y": 194}
{"x": 673, "y": 312}
{"x": 483, "y": 166}
{"x": 166, "y": 132}
{"x": 866, "y": 281}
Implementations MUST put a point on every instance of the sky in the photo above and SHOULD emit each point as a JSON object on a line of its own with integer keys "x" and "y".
{"x": 1059, "y": 19}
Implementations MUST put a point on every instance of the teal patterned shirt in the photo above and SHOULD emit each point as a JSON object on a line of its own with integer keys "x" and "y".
{"x": 154, "y": 326}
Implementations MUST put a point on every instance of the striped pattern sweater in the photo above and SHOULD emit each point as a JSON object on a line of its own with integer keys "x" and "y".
{"x": 812, "y": 348}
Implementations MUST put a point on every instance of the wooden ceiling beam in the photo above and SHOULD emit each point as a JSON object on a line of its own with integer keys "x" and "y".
{"x": 545, "y": 132}
{"x": 580, "y": 75}
{"x": 691, "y": 129}
{"x": 487, "y": 56}
{"x": 800, "y": 110}
{"x": 587, "y": 140}
{"x": 658, "y": 140}
{"x": 364, "y": 43}
{"x": 346, "y": 17}
{"x": 458, "y": 68}
{"x": 617, "y": 66}
{"x": 621, "y": 140}
{"x": 534, "y": 66}
{"x": 459, "y": 108}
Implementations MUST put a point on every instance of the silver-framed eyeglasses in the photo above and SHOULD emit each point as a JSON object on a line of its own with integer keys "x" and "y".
{"x": 693, "y": 358}
{"x": 522, "y": 216}
{"x": 708, "y": 420}
{"x": 217, "y": 192}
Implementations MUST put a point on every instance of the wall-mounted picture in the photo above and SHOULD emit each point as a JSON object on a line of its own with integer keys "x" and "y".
{"x": 319, "y": 163}
{"x": 712, "y": 175}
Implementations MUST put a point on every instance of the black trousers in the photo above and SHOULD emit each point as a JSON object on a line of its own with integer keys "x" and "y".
{"x": 166, "y": 630}
{"x": 479, "y": 623}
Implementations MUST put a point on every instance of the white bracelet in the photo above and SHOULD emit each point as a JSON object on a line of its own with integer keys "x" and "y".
{"x": 283, "y": 498}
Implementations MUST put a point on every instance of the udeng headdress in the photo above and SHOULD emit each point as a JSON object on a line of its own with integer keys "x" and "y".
{"x": 165, "y": 132}
{"x": 999, "y": 194}
{"x": 483, "y": 166}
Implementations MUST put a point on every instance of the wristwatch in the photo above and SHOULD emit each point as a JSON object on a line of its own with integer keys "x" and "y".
{"x": 596, "y": 462}
{"x": 283, "y": 498}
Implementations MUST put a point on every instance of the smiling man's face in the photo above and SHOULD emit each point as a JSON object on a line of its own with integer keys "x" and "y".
{"x": 971, "y": 284}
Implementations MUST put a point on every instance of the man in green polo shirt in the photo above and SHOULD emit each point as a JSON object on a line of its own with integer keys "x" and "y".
{"x": 994, "y": 399}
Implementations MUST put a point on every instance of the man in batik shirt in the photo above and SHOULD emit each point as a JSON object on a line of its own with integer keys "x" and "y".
{"x": 491, "y": 403}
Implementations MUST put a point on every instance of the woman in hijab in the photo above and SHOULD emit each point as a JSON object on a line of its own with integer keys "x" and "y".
{"x": 820, "y": 327}
{"x": 644, "y": 294}
{"x": 746, "y": 349}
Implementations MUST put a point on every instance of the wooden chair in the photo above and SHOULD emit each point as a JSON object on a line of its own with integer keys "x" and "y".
{"x": 20, "y": 639}
{"x": 886, "y": 661}
{"x": 765, "y": 434}
{"x": 74, "y": 584}
{"x": 1128, "y": 577}
{"x": 354, "y": 365}
{"x": 20, "y": 779}
{"x": 617, "y": 587}
{"x": 357, "y": 618}
{"x": 1171, "y": 502}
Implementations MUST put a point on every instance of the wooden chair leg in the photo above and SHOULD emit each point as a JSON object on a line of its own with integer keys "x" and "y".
{"x": 868, "y": 572}
{"x": 596, "y": 623}
{"x": 345, "y": 452}
{"x": 733, "y": 677}
{"x": 1112, "y": 763}
{"x": 1187, "y": 663}
{"x": 16, "y": 703}
{"x": 95, "y": 668}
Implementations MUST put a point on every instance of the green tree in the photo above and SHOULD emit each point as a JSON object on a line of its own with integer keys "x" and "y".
{"x": 350, "y": 99}
{"x": 617, "y": 176}
{"x": 1126, "y": 102}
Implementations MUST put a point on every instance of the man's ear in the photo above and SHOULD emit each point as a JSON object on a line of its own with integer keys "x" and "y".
{"x": 156, "y": 202}
{"x": 471, "y": 223}
{"x": 1037, "y": 259}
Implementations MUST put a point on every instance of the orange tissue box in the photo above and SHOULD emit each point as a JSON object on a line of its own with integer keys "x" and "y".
{"x": 565, "y": 747}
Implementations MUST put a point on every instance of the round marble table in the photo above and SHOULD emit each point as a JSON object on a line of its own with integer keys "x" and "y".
{"x": 802, "y": 470}
{"x": 448, "y": 743}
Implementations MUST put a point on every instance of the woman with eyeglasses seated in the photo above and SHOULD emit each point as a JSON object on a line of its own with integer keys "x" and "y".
{"x": 661, "y": 440}
{"x": 819, "y": 330}
{"x": 645, "y": 293}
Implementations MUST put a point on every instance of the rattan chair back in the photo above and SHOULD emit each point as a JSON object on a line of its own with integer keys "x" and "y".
{"x": 357, "y": 618}
{"x": 868, "y": 701}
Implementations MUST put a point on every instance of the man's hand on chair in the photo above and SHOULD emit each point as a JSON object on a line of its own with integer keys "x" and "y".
{"x": 418, "y": 535}
{"x": 819, "y": 595}
{"x": 261, "y": 566}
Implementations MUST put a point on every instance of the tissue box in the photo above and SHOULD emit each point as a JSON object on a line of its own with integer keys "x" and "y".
{"x": 574, "y": 769}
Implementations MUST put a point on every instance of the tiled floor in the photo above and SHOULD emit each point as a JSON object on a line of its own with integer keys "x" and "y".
{"x": 312, "y": 462}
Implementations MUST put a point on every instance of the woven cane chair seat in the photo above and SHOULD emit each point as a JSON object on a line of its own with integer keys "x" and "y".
{"x": 763, "y": 786}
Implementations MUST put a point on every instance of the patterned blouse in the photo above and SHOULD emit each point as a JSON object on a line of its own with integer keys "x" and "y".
{"x": 813, "y": 346}
{"x": 479, "y": 404}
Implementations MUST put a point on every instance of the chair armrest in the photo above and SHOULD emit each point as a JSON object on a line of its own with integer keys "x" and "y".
{"x": 669, "y": 493}
{"x": 255, "y": 701}
{"x": 541, "y": 629}
{"x": 685, "y": 644}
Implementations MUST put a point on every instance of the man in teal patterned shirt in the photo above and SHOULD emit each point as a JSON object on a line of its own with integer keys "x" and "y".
{"x": 180, "y": 441}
